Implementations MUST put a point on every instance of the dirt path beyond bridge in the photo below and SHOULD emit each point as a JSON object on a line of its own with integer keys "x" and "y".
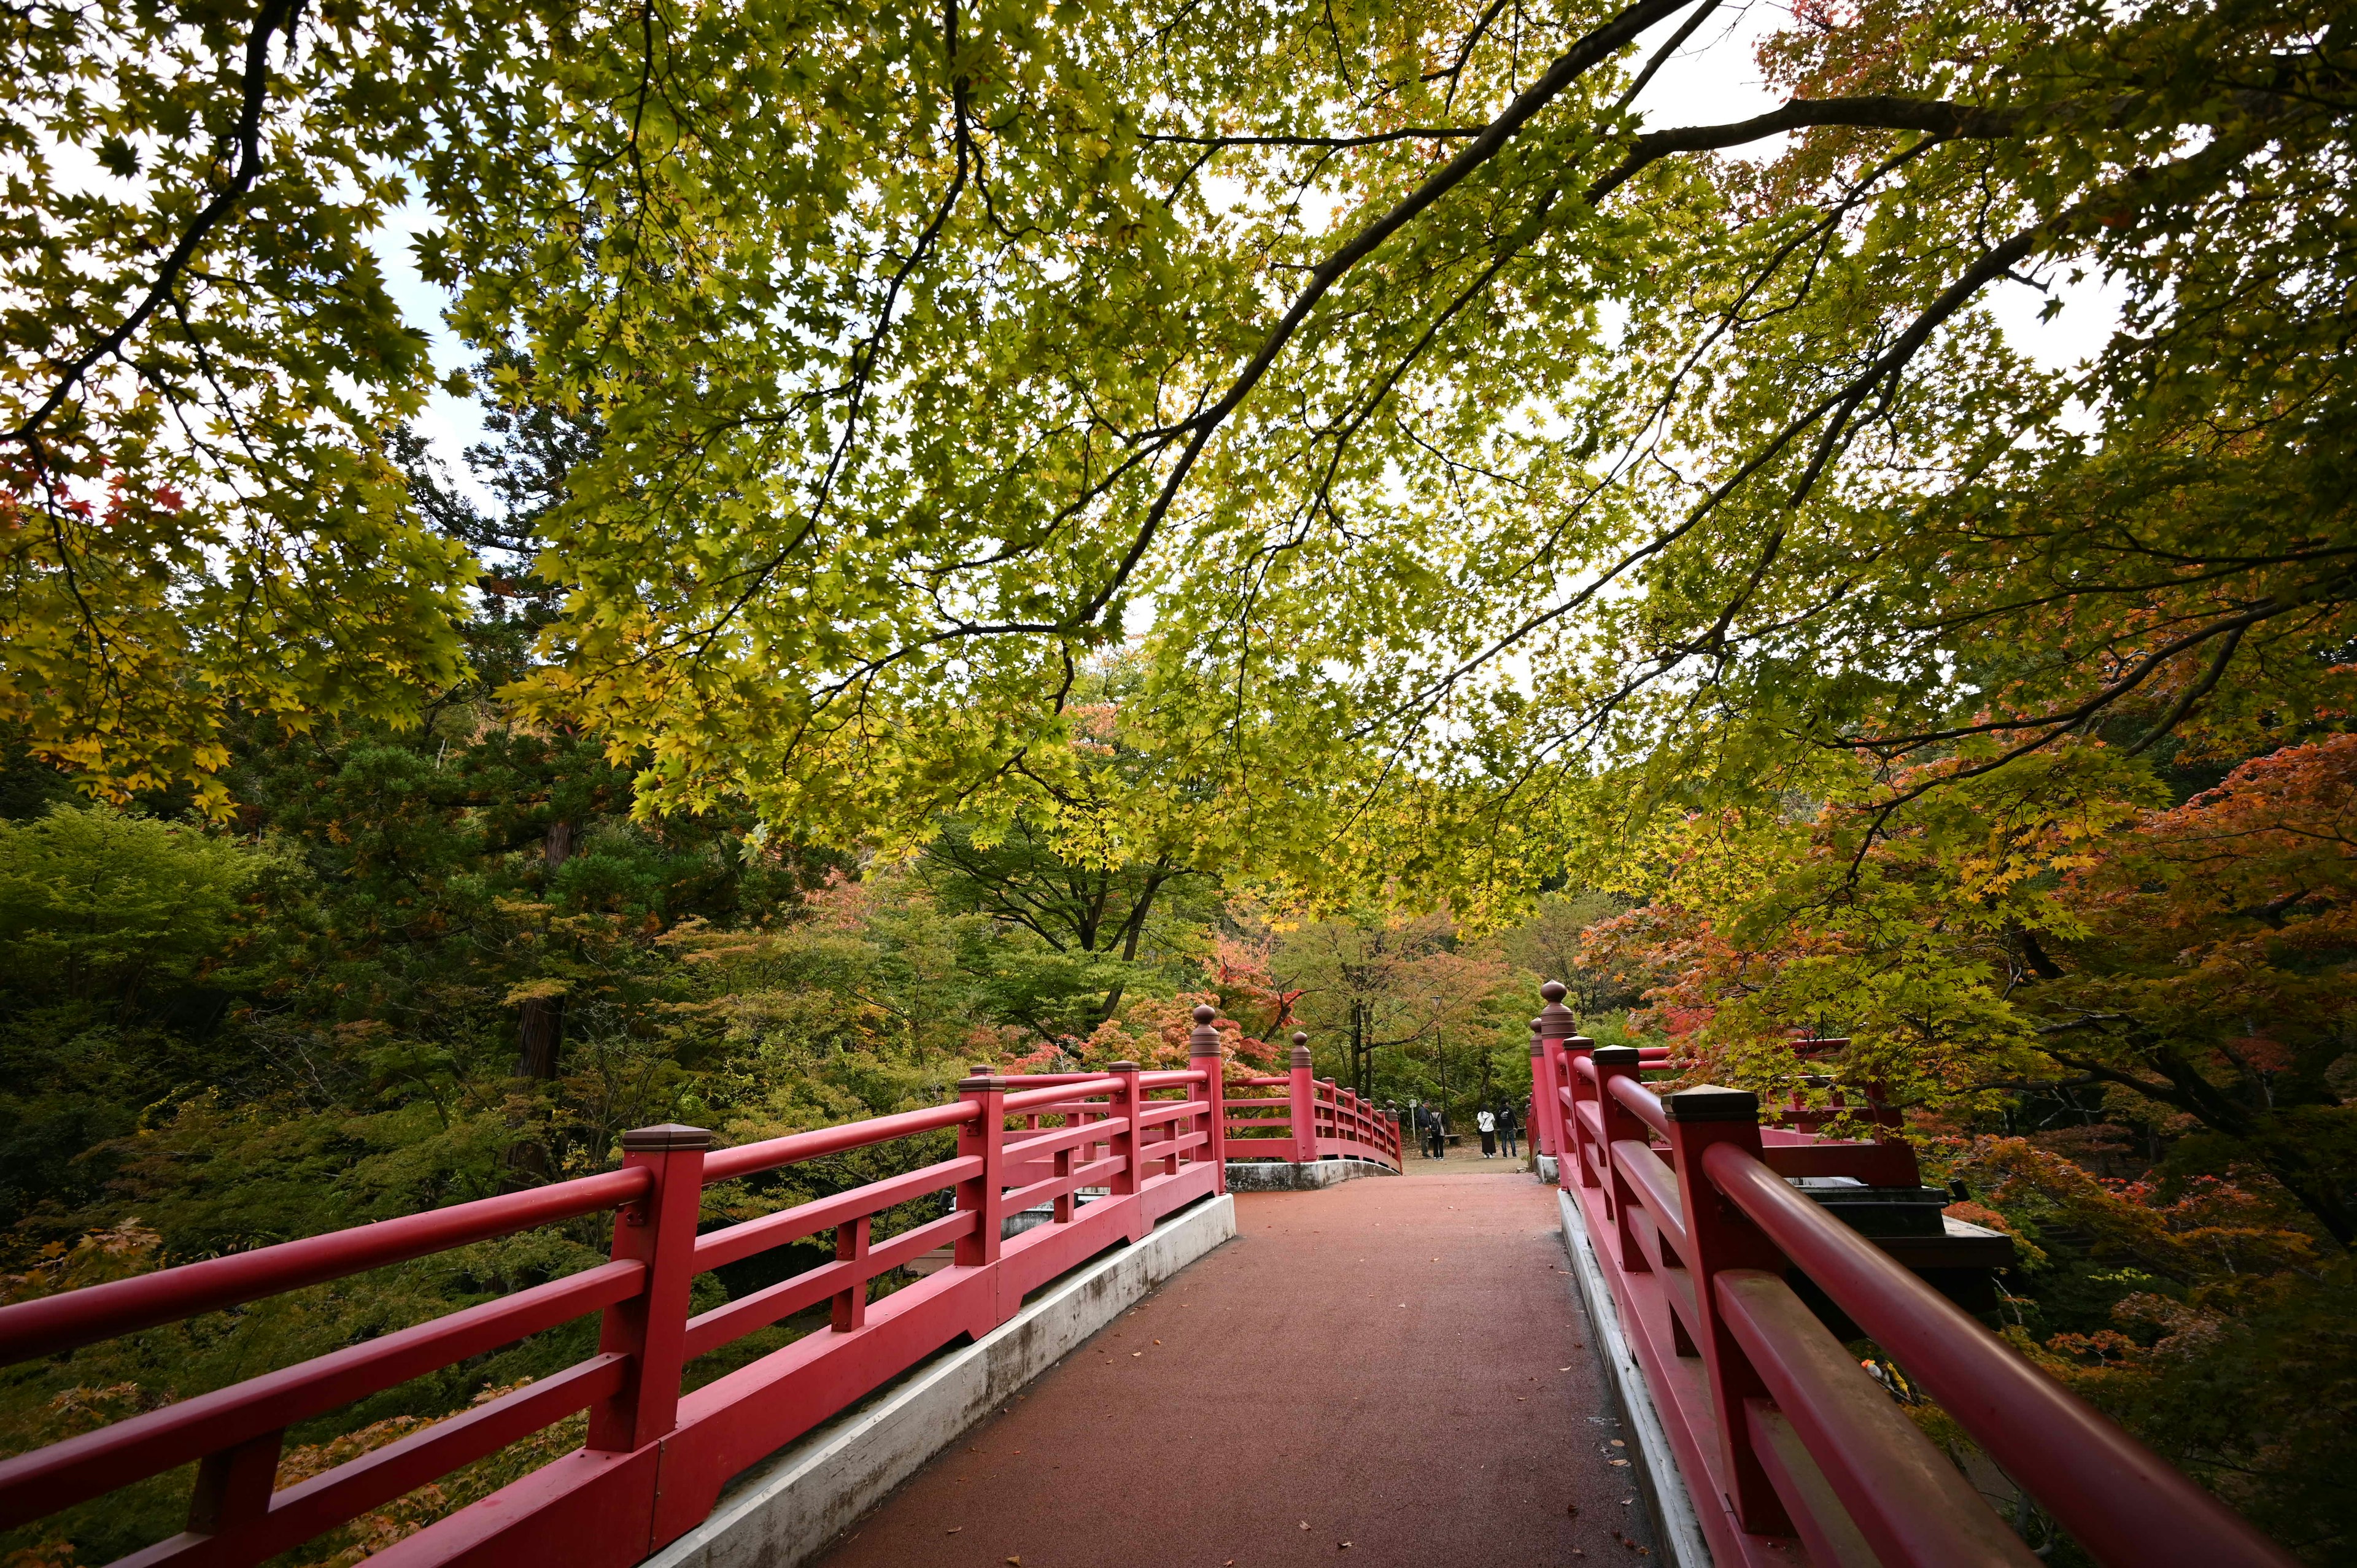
{"x": 1396, "y": 1363}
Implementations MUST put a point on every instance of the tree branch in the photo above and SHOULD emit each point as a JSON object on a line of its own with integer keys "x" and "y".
{"x": 275, "y": 16}
{"x": 1948, "y": 121}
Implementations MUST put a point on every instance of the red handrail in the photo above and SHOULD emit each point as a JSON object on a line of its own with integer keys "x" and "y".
{"x": 600, "y": 1507}
{"x": 1642, "y": 1102}
{"x": 1783, "y": 1435}
{"x": 67, "y": 1471}
{"x": 750, "y": 1159}
{"x": 2121, "y": 1501}
{"x": 56, "y": 1324}
{"x": 1322, "y": 1120}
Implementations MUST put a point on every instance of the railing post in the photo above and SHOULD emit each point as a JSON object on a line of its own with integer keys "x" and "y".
{"x": 984, "y": 1194}
{"x": 850, "y": 1309}
{"x": 1616, "y": 1062}
{"x": 1541, "y": 1130}
{"x": 1122, "y": 1106}
{"x": 1573, "y": 1047}
{"x": 651, "y": 1329}
{"x": 1129, "y": 1180}
{"x": 1304, "y": 1090}
{"x": 233, "y": 1486}
{"x": 1557, "y": 1026}
{"x": 1718, "y": 1237}
{"x": 1204, "y": 1052}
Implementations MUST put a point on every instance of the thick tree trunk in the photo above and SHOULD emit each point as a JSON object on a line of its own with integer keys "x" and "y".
{"x": 540, "y": 1030}
{"x": 540, "y": 1037}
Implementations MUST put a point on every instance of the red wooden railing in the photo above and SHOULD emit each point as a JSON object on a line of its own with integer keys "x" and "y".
{"x": 1126, "y": 1147}
{"x": 1782, "y": 1437}
{"x": 1313, "y": 1119}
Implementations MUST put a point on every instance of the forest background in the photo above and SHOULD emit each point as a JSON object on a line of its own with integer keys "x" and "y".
{"x": 997, "y": 523}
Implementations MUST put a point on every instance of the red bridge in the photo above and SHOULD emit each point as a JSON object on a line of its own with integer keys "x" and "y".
{"x": 1327, "y": 1371}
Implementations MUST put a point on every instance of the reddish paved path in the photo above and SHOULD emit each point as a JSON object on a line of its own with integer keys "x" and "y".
{"x": 1383, "y": 1361}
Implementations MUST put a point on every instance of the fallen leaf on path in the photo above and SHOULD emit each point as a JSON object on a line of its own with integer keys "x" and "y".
{"x": 953, "y": 1530}
{"x": 1572, "y": 1509}
{"x": 1617, "y": 1461}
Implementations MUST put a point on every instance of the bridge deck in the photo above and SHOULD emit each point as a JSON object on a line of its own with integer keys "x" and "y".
{"x": 1400, "y": 1365}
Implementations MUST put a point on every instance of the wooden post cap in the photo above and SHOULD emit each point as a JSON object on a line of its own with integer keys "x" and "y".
{"x": 1709, "y": 1103}
{"x": 980, "y": 1081}
{"x": 1554, "y": 990}
{"x": 1205, "y": 1040}
{"x": 1121, "y": 1067}
{"x": 1618, "y": 1056}
{"x": 668, "y": 1135}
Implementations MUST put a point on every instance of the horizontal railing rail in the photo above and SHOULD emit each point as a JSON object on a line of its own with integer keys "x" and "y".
{"x": 1782, "y": 1438}
{"x": 1122, "y": 1147}
{"x": 54, "y": 1325}
{"x": 1320, "y": 1118}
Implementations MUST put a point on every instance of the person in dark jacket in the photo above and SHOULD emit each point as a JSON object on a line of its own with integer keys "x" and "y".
{"x": 1436, "y": 1133}
{"x": 1508, "y": 1126}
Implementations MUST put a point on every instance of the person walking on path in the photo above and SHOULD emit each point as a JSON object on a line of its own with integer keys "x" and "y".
{"x": 1486, "y": 1121}
{"x": 1507, "y": 1127}
{"x": 1436, "y": 1134}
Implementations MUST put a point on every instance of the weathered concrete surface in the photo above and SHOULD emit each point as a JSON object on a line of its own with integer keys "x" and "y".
{"x": 1400, "y": 1365}
{"x": 1307, "y": 1176}
{"x": 779, "y": 1515}
{"x": 1665, "y": 1490}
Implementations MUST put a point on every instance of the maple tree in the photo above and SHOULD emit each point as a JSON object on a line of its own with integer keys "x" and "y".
{"x": 1069, "y": 460}
{"x": 2023, "y": 933}
{"x": 1449, "y": 428}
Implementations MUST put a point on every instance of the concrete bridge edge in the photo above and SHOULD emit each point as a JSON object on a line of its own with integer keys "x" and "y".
{"x": 1284, "y": 1176}
{"x": 792, "y": 1507}
{"x": 1679, "y": 1531}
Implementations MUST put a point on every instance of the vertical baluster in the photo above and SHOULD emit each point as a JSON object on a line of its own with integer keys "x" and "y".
{"x": 1204, "y": 1052}
{"x": 1571, "y": 1050}
{"x": 983, "y": 1195}
{"x": 1304, "y": 1094}
{"x": 1719, "y": 1237}
{"x": 850, "y": 1247}
{"x": 1064, "y": 1168}
{"x": 657, "y": 1230}
{"x": 1619, "y": 1122}
{"x": 233, "y": 1486}
{"x": 1128, "y": 1178}
{"x": 1122, "y": 1113}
